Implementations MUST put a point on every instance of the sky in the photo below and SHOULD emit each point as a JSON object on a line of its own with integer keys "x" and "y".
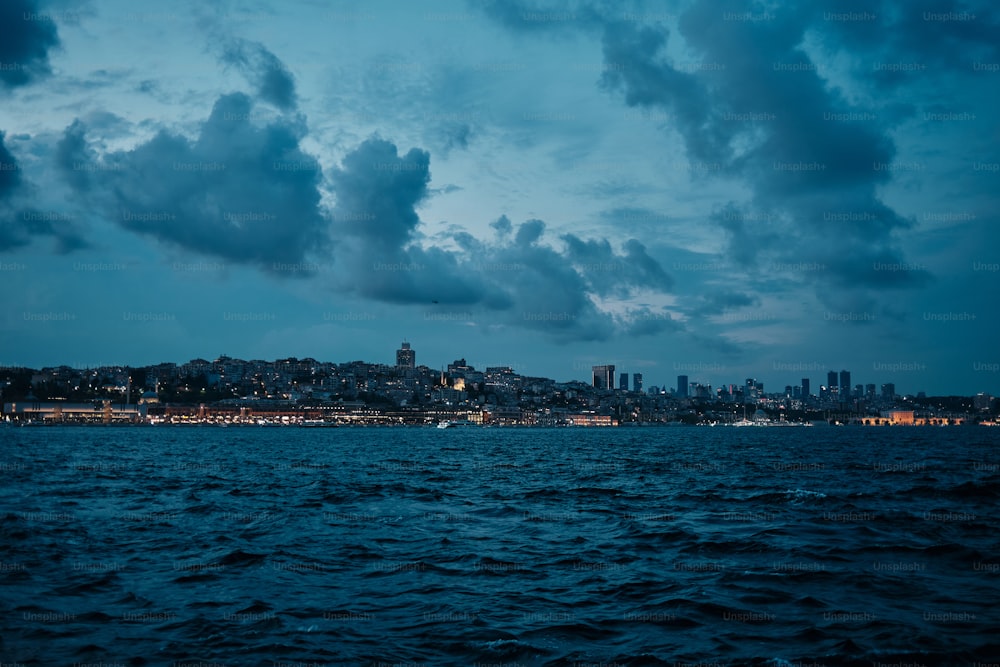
{"x": 709, "y": 188}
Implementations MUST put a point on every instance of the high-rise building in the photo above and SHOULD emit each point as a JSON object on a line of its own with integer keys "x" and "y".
{"x": 682, "y": 386}
{"x": 869, "y": 392}
{"x": 831, "y": 381}
{"x": 604, "y": 376}
{"x": 623, "y": 381}
{"x": 889, "y": 391}
{"x": 636, "y": 381}
{"x": 699, "y": 390}
{"x": 805, "y": 388}
{"x": 405, "y": 357}
{"x": 845, "y": 385}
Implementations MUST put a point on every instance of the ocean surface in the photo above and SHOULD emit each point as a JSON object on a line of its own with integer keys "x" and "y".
{"x": 198, "y": 546}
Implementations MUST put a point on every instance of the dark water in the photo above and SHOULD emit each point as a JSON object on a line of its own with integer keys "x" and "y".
{"x": 408, "y": 546}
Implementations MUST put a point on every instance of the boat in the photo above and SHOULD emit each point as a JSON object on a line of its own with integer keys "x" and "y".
{"x": 317, "y": 423}
{"x": 782, "y": 422}
{"x": 455, "y": 422}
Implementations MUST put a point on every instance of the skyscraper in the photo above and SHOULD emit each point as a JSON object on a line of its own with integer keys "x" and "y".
{"x": 623, "y": 381}
{"x": 831, "y": 381}
{"x": 682, "y": 386}
{"x": 604, "y": 376}
{"x": 888, "y": 391}
{"x": 636, "y": 381}
{"x": 405, "y": 357}
{"x": 845, "y": 385}
{"x": 805, "y": 388}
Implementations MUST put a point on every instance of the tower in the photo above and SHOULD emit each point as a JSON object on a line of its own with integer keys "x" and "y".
{"x": 845, "y": 384}
{"x": 604, "y": 376}
{"x": 405, "y": 357}
{"x": 682, "y": 386}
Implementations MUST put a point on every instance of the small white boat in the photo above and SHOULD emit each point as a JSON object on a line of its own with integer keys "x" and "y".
{"x": 317, "y": 423}
{"x": 455, "y": 422}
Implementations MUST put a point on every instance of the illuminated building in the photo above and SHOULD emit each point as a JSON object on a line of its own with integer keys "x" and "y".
{"x": 405, "y": 357}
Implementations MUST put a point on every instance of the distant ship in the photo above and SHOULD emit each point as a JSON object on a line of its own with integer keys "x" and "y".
{"x": 455, "y": 422}
{"x": 761, "y": 419}
{"x": 317, "y": 423}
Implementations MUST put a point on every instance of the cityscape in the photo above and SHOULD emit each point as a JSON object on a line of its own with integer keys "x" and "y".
{"x": 404, "y": 334}
{"x": 307, "y": 392}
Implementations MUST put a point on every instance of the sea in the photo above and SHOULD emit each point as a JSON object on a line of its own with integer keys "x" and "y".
{"x": 201, "y": 546}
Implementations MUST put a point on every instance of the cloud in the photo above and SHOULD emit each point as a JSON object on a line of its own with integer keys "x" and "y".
{"x": 26, "y": 37}
{"x": 241, "y": 191}
{"x": 608, "y": 273}
{"x": 12, "y": 234}
{"x": 756, "y": 110}
{"x": 374, "y": 223}
{"x": 516, "y": 280}
{"x": 377, "y": 191}
{"x": 718, "y": 302}
{"x": 551, "y": 17}
{"x": 19, "y": 220}
{"x": 274, "y": 82}
{"x": 753, "y": 110}
{"x": 942, "y": 36}
{"x": 73, "y": 156}
{"x": 10, "y": 171}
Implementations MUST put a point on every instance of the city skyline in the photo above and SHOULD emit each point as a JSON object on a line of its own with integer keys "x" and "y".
{"x": 670, "y": 187}
{"x": 598, "y": 376}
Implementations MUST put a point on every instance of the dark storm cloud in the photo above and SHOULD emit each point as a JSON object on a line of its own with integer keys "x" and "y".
{"x": 26, "y": 36}
{"x": 943, "y": 36}
{"x": 757, "y": 110}
{"x": 242, "y": 191}
{"x": 549, "y": 292}
{"x": 12, "y": 234}
{"x": 550, "y": 16}
{"x": 633, "y": 269}
{"x": 374, "y": 224}
{"x": 753, "y": 108}
{"x": 377, "y": 191}
{"x": 719, "y": 302}
{"x": 19, "y": 222}
{"x": 274, "y": 82}
{"x": 517, "y": 280}
{"x": 73, "y": 156}
{"x": 10, "y": 171}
